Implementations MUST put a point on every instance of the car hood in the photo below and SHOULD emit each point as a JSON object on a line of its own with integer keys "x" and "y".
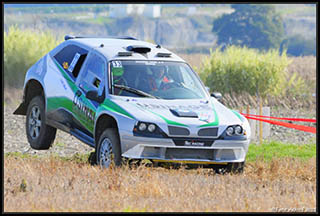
{"x": 186, "y": 112}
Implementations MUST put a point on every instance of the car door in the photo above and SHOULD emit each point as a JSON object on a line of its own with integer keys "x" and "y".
{"x": 91, "y": 77}
{"x": 64, "y": 66}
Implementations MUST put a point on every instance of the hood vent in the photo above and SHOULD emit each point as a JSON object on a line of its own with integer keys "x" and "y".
{"x": 139, "y": 49}
{"x": 187, "y": 114}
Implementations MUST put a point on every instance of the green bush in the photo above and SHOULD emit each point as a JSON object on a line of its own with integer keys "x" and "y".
{"x": 238, "y": 70}
{"x": 23, "y": 48}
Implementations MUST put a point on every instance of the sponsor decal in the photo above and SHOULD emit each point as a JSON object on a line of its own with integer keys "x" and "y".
{"x": 82, "y": 108}
{"x": 204, "y": 117}
{"x": 212, "y": 122}
{"x": 174, "y": 107}
{"x": 193, "y": 143}
{"x": 150, "y": 62}
{"x": 63, "y": 84}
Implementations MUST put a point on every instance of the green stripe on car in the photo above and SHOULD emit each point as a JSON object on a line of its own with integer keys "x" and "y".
{"x": 58, "y": 102}
{"x": 113, "y": 107}
{"x": 238, "y": 115}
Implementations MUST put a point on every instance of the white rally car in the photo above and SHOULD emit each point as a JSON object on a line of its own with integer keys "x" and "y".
{"x": 130, "y": 99}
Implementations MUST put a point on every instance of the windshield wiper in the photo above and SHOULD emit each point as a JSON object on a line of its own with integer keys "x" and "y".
{"x": 135, "y": 91}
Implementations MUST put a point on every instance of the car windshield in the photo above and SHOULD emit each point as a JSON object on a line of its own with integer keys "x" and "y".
{"x": 155, "y": 79}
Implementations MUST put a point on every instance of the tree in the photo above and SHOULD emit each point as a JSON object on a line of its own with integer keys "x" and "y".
{"x": 255, "y": 26}
{"x": 297, "y": 45}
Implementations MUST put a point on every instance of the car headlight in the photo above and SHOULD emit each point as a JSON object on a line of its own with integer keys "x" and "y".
{"x": 238, "y": 130}
{"x": 146, "y": 129}
{"x": 230, "y": 131}
{"x": 234, "y": 132}
{"x": 142, "y": 126}
{"x": 151, "y": 127}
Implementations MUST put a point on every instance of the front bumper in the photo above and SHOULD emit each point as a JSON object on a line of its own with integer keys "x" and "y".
{"x": 220, "y": 152}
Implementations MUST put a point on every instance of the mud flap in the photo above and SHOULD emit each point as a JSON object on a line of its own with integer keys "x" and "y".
{"x": 21, "y": 110}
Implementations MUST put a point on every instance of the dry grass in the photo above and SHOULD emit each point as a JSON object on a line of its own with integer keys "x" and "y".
{"x": 54, "y": 185}
{"x": 194, "y": 60}
{"x": 305, "y": 66}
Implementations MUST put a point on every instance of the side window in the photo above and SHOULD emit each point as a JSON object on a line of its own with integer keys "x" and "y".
{"x": 92, "y": 77}
{"x": 71, "y": 59}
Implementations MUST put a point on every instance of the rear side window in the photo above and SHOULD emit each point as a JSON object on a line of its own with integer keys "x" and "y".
{"x": 92, "y": 77}
{"x": 71, "y": 59}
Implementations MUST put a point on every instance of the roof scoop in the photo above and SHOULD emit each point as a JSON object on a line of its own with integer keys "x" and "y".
{"x": 139, "y": 49}
{"x": 163, "y": 54}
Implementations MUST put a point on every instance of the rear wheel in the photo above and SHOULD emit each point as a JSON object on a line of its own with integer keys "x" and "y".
{"x": 39, "y": 134}
{"x": 108, "y": 149}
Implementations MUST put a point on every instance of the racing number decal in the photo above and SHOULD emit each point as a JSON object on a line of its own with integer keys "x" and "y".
{"x": 80, "y": 107}
{"x": 116, "y": 64}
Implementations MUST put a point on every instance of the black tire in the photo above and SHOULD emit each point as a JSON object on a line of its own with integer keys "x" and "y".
{"x": 108, "y": 149}
{"x": 235, "y": 167}
{"x": 39, "y": 134}
{"x": 92, "y": 159}
{"x": 230, "y": 168}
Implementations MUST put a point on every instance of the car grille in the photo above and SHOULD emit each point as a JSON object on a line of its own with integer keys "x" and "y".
{"x": 204, "y": 154}
{"x": 208, "y": 132}
{"x": 178, "y": 131}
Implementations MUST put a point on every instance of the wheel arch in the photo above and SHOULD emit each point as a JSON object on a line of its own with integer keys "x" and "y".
{"x": 104, "y": 121}
{"x": 32, "y": 88}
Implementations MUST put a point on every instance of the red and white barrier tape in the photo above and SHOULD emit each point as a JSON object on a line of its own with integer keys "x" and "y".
{"x": 289, "y": 119}
{"x": 285, "y": 124}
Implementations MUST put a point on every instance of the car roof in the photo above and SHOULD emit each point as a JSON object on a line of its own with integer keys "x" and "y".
{"x": 112, "y": 46}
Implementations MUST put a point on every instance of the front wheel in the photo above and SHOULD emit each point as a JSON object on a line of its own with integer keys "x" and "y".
{"x": 235, "y": 167}
{"x": 39, "y": 134}
{"x": 229, "y": 168}
{"x": 108, "y": 149}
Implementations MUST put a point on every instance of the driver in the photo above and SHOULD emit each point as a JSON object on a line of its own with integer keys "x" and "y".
{"x": 158, "y": 79}
{"x": 118, "y": 79}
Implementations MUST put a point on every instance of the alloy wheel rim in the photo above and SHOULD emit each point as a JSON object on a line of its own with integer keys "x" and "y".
{"x": 34, "y": 122}
{"x": 105, "y": 153}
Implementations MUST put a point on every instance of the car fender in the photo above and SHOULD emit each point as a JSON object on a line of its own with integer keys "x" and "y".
{"x": 35, "y": 73}
{"x": 121, "y": 120}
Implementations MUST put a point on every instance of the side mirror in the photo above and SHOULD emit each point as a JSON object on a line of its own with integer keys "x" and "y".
{"x": 93, "y": 95}
{"x": 217, "y": 95}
